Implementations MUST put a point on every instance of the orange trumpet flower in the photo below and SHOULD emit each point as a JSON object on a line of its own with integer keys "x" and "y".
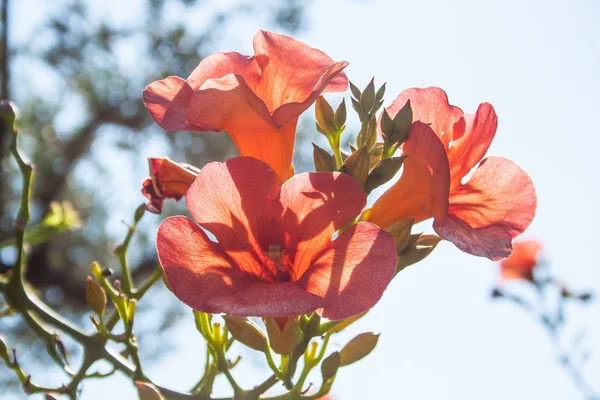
{"x": 257, "y": 99}
{"x": 481, "y": 216}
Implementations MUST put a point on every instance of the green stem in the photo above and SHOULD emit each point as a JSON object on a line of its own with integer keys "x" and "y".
{"x": 334, "y": 143}
{"x": 18, "y": 276}
{"x": 278, "y": 373}
{"x": 147, "y": 284}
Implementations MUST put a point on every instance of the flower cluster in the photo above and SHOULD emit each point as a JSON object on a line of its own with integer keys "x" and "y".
{"x": 285, "y": 245}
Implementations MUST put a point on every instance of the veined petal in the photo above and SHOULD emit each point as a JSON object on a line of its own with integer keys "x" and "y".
{"x": 289, "y": 111}
{"x": 430, "y": 105}
{"x": 287, "y": 299}
{"x": 168, "y": 101}
{"x": 196, "y": 268}
{"x": 237, "y": 202}
{"x": 422, "y": 190}
{"x": 315, "y": 206}
{"x": 353, "y": 271}
{"x": 492, "y": 208}
{"x": 229, "y": 104}
{"x": 293, "y": 71}
{"x": 218, "y": 65}
{"x": 465, "y": 152}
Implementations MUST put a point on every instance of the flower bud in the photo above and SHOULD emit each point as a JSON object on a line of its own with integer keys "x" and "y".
{"x": 325, "y": 117}
{"x": 95, "y": 296}
{"x": 383, "y": 172}
{"x": 147, "y": 391}
{"x": 246, "y": 332}
{"x": 358, "y": 348}
{"x": 357, "y": 165}
{"x": 3, "y": 349}
{"x": 283, "y": 334}
{"x": 9, "y": 113}
{"x": 330, "y": 366}
{"x": 324, "y": 162}
{"x": 340, "y": 115}
{"x": 423, "y": 246}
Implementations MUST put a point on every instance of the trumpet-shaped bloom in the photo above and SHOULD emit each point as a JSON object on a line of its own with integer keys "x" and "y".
{"x": 257, "y": 99}
{"x": 168, "y": 180}
{"x": 274, "y": 255}
{"x": 522, "y": 261}
{"x": 480, "y": 216}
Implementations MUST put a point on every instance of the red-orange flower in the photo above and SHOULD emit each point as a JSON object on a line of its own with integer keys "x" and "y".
{"x": 274, "y": 254}
{"x": 168, "y": 180}
{"x": 522, "y": 261}
{"x": 481, "y": 216}
{"x": 257, "y": 99}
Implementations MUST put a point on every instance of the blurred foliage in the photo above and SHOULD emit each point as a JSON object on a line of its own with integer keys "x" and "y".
{"x": 78, "y": 78}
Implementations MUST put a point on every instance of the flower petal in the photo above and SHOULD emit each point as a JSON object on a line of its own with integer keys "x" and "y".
{"x": 353, "y": 271}
{"x": 465, "y": 152}
{"x": 315, "y": 205}
{"x": 266, "y": 300}
{"x": 218, "y": 65}
{"x": 168, "y": 180}
{"x": 237, "y": 202}
{"x": 196, "y": 268}
{"x": 422, "y": 191}
{"x": 492, "y": 208}
{"x": 292, "y": 72}
{"x": 168, "y": 101}
{"x": 229, "y": 104}
{"x": 430, "y": 105}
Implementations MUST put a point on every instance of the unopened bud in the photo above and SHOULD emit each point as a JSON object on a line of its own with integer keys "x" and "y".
{"x": 357, "y": 165}
{"x": 358, "y": 348}
{"x": 9, "y": 113}
{"x": 324, "y": 162}
{"x": 283, "y": 334}
{"x": 139, "y": 213}
{"x": 383, "y": 172}
{"x": 325, "y": 117}
{"x": 340, "y": 115}
{"x": 147, "y": 391}
{"x": 246, "y": 332}
{"x": 95, "y": 296}
{"x": 330, "y": 366}
{"x": 3, "y": 349}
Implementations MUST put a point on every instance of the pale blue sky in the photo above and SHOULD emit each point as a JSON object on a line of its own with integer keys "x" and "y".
{"x": 538, "y": 63}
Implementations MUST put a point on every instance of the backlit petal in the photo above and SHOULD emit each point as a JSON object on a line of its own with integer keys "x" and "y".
{"x": 286, "y": 299}
{"x": 466, "y": 151}
{"x": 237, "y": 201}
{"x": 430, "y": 105}
{"x": 293, "y": 72}
{"x": 315, "y": 206}
{"x": 493, "y": 207}
{"x": 168, "y": 101}
{"x": 196, "y": 268}
{"x": 422, "y": 190}
{"x": 353, "y": 271}
{"x": 229, "y": 104}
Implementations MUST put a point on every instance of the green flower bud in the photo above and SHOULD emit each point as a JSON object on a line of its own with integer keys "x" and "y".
{"x": 358, "y": 348}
